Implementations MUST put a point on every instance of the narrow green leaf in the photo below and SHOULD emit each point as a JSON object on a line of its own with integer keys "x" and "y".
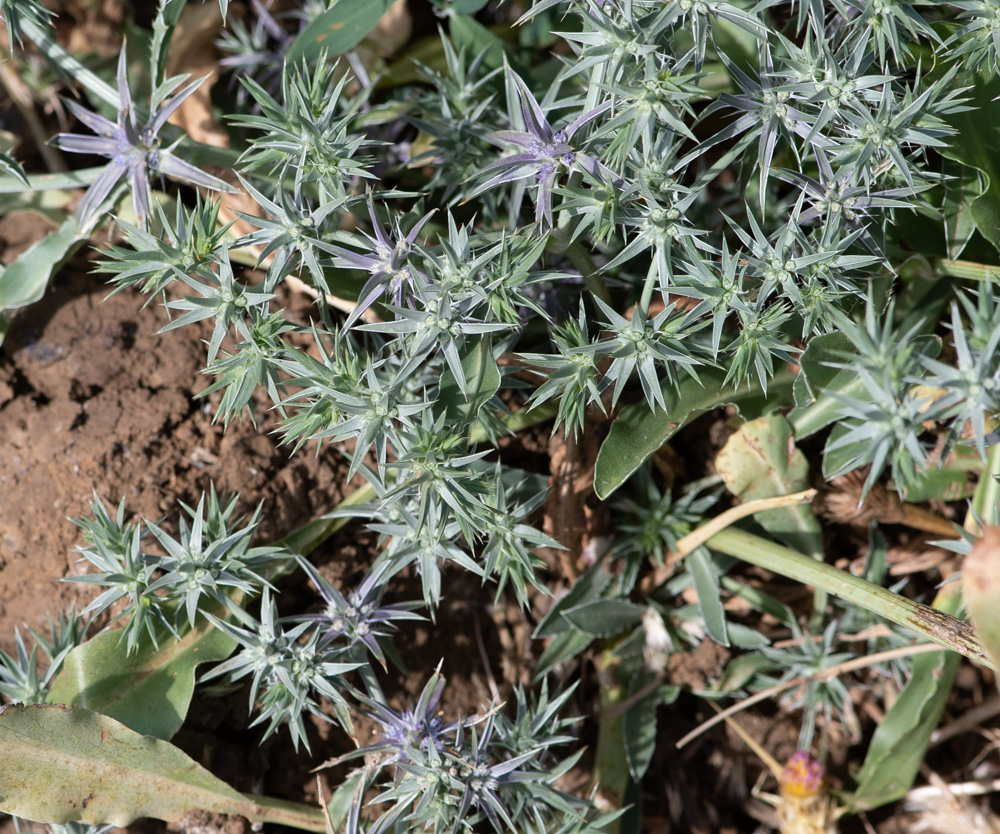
{"x": 25, "y": 280}
{"x": 482, "y": 379}
{"x": 639, "y": 729}
{"x": 148, "y": 691}
{"x": 706, "y": 584}
{"x": 605, "y": 617}
{"x": 11, "y": 184}
{"x": 900, "y": 742}
{"x": 337, "y": 30}
{"x": 66, "y": 65}
{"x": 74, "y": 765}
{"x": 761, "y": 460}
{"x": 638, "y": 432}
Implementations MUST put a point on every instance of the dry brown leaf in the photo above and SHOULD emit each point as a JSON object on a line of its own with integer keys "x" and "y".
{"x": 393, "y": 30}
{"x": 192, "y": 51}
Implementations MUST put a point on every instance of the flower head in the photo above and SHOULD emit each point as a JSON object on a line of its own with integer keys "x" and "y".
{"x": 544, "y": 153}
{"x": 803, "y": 776}
{"x": 359, "y": 616}
{"x": 133, "y": 148}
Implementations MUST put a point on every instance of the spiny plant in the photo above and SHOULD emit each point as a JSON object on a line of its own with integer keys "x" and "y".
{"x": 669, "y": 208}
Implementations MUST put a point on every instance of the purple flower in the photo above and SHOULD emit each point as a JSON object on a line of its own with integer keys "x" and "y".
{"x": 388, "y": 265}
{"x": 357, "y": 617}
{"x": 134, "y": 149}
{"x": 545, "y": 153}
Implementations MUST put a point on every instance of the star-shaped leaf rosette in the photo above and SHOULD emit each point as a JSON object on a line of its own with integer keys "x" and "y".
{"x": 545, "y": 154}
{"x": 133, "y": 148}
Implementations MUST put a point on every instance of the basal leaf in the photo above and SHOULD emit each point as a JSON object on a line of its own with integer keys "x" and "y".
{"x": 638, "y": 432}
{"x": 76, "y": 765}
{"x": 150, "y": 690}
{"x": 25, "y": 280}
{"x": 605, "y": 617}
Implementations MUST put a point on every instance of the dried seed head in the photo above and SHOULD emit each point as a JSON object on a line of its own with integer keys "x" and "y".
{"x": 846, "y": 503}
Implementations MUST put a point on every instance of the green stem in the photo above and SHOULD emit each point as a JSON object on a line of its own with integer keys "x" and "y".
{"x": 936, "y": 626}
{"x": 942, "y": 267}
{"x": 282, "y": 812}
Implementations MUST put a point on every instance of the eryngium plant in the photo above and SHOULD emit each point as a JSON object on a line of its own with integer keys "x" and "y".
{"x": 720, "y": 195}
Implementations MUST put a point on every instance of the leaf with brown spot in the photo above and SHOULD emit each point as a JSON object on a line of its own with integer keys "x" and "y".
{"x": 336, "y": 31}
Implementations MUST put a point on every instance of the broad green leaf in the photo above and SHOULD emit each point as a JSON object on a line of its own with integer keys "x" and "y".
{"x": 761, "y": 460}
{"x": 25, "y": 280}
{"x": 466, "y": 6}
{"x": 638, "y": 432}
{"x": 605, "y": 617}
{"x": 900, "y": 742}
{"x": 974, "y": 143}
{"x": 744, "y": 637}
{"x": 482, "y": 379}
{"x": 336, "y": 31}
{"x": 148, "y": 691}
{"x": 814, "y": 408}
{"x": 949, "y": 483}
{"x": 74, "y": 765}
{"x": 706, "y": 583}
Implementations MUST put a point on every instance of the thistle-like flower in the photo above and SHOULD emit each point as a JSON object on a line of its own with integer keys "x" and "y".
{"x": 133, "y": 148}
{"x": 359, "y": 616}
{"x": 545, "y": 154}
{"x": 389, "y": 264}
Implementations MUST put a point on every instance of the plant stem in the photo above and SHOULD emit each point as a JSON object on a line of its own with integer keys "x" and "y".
{"x": 936, "y": 626}
{"x": 51, "y": 182}
{"x": 943, "y": 267}
{"x": 283, "y": 812}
